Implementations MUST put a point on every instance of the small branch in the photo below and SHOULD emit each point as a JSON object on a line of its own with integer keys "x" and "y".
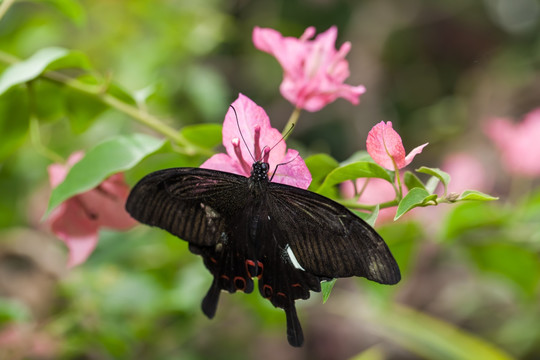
{"x": 354, "y": 205}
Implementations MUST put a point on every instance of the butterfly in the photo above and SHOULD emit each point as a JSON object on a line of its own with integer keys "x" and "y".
{"x": 289, "y": 239}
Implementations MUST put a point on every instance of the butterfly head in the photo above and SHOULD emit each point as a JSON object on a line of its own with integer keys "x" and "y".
{"x": 259, "y": 171}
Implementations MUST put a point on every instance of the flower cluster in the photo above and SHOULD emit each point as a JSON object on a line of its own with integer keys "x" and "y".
{"x": 313, "y": 70}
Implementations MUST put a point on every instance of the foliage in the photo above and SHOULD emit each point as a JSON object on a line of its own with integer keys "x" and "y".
{"x": 152, "y": 93}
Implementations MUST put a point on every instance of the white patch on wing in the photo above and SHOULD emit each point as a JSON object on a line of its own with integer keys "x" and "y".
{"x": 295, "y": 262}
{"x": 210, "y": 213}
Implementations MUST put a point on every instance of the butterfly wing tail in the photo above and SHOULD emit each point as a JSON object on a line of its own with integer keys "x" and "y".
{"x": 210, "y": 301}
{"x": 295, "y": 335}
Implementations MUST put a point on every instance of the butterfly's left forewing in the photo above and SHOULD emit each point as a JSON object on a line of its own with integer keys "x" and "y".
{"x": 193, "y": 204}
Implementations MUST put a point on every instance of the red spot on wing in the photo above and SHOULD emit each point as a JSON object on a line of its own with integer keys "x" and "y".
{"x": 240, "y": 283}
{"x": 254, "y": 271}
{"x": 267, "y": 291}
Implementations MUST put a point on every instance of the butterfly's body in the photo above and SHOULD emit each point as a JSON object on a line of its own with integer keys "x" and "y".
{"x": 244, "y": 228}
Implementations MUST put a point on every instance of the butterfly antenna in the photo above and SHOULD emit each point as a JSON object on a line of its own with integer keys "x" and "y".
{"x": 276, "y": 144}
{"x": 285, "y": 163}
{"x": 283, "y": 137}
{"x": 240, "y": 131}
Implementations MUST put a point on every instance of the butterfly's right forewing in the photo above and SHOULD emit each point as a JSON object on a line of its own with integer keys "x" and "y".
{"x": 194, "y": 204}
{"x": 328, "y": 240}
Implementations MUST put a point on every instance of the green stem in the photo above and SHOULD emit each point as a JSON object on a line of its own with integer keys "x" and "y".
{"x": 354, "y": 205}
{"x": 361, "y": 192}
{"x": 128, "y": 109}
{"x": 4, "y": 7}
{"x": 398, "y": 180}
{"x": 35, "y": 137}
{"x": 291, "y": 123}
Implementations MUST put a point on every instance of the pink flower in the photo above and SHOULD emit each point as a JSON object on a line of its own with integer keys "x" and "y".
{"x": 385, "y": 147}
{"x": 260, "y": 138}
{"x": 314, "y": 71}
{"x": 376, "y": 191}
{"x": 77, "y": 220}
{"x": 519, "y": 144}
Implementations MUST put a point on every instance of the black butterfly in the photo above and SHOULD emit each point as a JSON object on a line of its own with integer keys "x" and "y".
{"x": 288, "y": 238}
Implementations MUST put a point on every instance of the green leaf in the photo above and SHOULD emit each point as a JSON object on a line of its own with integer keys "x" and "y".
{"x": 361, "y": 155}
{"x": 14, "y": 121}
{"x": 372, "y": 218}
{"x": 142, "y": 95}
{"x": 475, "y": 195}
{"x": 361, "y": 169}
{"x": 472, "y": 216}
{"x": 412, "y": 181}
{"x": 31, "y": 68}
{"x": 403, "y": 238}
{"x": 49, "y": 106}
{"x": 82, "y": 109}
{"x": 431, "y": 184}
{"x": 501, "y": 258}
{"x": 72, "y": 9}
{"x": 415, "y": 197}
{"x": 444, "y": 177}
{"x": 72, "y": 60}
{"x": 431, "y": 338}
{"x": 326, "y": 288}
{"x": 203, "y": 135}
{"x": 107, "y": 158}
{"x": 319, "y": 166}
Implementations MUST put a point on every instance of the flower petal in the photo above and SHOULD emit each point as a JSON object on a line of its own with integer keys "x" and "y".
{"x": 107, "y": 203}
{"x": 417, "y": 150}
{"x": 77, "y": 220}
{"x": 383, "y": 144}
{"x": 250, "y": 116}
{"x": 80, "y": 248}
{"x": 223, "y": 162}
{"x": 75, "y": 226}
{"x": 293, "y": 172}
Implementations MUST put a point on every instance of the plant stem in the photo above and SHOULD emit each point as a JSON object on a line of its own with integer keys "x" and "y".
{"x": 398, "y": 179}
{"x": 35, "y": 137}
{"x": 291, "y": 123}
{"x": 353, "y": 204}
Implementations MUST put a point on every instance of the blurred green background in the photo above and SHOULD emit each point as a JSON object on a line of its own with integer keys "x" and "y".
{"x": 438, "y": 70}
